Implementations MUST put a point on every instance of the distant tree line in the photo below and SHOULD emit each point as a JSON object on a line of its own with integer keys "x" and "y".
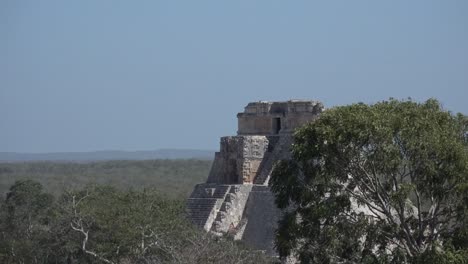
{"x": 172, "y": 178}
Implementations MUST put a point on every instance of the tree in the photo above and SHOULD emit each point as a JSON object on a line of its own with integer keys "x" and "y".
{"x": 115, "y": 226}
{"x": 25, "y": 217}
{"x": 100, "y": 224}
{"x": 375, "y": 183}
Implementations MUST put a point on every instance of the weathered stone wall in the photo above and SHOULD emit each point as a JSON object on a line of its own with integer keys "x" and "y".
{"x": 239, "y": 159}
{"x": 294, "y": 121}
{"x": 254, "y": 125}
{"x": 261, "y": 216}
{"x": 269, "y": 118}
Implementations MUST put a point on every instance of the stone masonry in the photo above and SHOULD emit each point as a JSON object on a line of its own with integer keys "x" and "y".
{"x": 236, "y": 199}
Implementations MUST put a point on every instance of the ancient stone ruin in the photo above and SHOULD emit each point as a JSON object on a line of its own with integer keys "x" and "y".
{"x": 236, "y": 199}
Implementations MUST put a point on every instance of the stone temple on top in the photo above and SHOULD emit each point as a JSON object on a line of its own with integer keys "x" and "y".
{"x": 236, "y": 199}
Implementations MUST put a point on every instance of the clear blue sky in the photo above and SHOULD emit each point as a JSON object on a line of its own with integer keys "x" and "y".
{"x": 141, "y": 75}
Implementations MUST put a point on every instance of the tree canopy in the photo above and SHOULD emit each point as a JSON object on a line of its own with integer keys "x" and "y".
{"x": 382, "y": 183}
{"x": 101, "y": 224}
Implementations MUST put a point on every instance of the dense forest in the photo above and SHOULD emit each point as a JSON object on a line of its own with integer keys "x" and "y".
{"x": 107, "y": 212}
{"x": 172, "y": 178}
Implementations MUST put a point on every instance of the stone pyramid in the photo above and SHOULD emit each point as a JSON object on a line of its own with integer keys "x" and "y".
{"x": 236, "y": 199}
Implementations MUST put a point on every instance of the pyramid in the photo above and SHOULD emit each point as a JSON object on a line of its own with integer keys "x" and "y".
{"x": 236, "y": 199}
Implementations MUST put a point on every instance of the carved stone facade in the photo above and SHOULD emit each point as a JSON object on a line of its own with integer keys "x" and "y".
{"x": 273, "y": 118}
{"x": 238, "y": 160}
{"x": 236, "y": 198}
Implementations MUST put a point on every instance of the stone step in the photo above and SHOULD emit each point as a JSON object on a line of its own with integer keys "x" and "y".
{"x": 199, "y": 209}
{"x": 200, "y": 191}
{"x": 221, "y": 191}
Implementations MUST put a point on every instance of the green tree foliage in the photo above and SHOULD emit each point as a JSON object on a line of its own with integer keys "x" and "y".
{"x": 382, "y": 183}
{"x": 173, "y": 178}
{"x": 133, "y": 225}
{"x": 24, "y": 222}
{"x": 102, "y": 224}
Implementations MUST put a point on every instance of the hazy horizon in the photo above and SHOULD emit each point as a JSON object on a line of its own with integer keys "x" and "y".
{"x": 107, "y": 155}
{"x": 112, "y": 150}
{"x": 80, "y": 76}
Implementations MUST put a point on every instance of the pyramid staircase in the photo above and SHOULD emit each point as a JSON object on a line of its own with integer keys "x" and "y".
{"x": 204, "y": 203}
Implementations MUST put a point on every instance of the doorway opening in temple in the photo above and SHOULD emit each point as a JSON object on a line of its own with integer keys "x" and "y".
{"x": 276, "y": 125}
